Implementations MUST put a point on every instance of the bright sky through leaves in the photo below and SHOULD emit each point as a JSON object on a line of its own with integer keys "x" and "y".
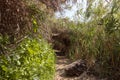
{"x": 70, "y": 9}
{"x": 75, "y": 11}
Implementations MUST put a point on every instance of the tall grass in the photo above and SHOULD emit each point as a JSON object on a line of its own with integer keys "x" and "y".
{"x": 97, "y": 43}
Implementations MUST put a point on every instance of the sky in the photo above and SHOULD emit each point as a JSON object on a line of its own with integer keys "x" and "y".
{"x": 80, "y": 7}
{"x": 72, "y": 9}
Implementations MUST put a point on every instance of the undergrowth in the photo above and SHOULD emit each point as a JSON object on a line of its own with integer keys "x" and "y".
{"x": 96, "y": 41}
{"x": 98, "y": 44}
{"x": 33, "y": 59}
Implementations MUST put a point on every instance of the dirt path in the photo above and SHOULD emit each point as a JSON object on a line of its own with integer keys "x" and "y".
{"x": 61, "y": 63}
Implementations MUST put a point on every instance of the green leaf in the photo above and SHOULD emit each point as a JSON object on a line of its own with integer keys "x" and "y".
{"x": 4, "y": 68}
{"x": 30, "y": 50}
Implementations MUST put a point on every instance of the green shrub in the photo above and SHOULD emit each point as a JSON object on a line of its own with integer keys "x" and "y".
{"x": 32, "y": 60}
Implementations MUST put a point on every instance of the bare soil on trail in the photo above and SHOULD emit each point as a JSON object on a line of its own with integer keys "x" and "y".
{"x": 61, "y": 63}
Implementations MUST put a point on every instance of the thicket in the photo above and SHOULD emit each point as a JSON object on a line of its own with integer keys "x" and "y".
{"x": 13, "y": 19}
{"x": 24, "y": 54}
{"x": 25, "y": 25}
{"x": 97, "y": 39}
{"x": 33, "y": 59}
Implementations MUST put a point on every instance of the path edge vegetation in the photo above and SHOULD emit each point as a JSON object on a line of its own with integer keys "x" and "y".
{"x": 24, "y": 53}
{"x": 28, "y": 39}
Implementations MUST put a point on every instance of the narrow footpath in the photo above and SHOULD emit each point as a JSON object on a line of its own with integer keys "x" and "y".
{"x": 61, "y": 63}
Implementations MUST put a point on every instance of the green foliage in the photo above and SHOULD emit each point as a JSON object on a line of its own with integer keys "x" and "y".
{"x": 98, "y": 40}
{"x": 4, "y": 39}
{"x": 37, "y": 13}
{"x": 97, "y": 43}
{"x": 32, "y": 60}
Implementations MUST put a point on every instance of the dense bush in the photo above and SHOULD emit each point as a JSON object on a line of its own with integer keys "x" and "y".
{"x": 20, "y": 58}
{"x": 32, "y": 60}
{"x": 97, "y": 38}
{"x": 13, "y": 18}
{"x": 98, "y": 44}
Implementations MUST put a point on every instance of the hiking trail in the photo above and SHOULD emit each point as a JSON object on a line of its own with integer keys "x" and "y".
{"x": 61, "y": 63}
